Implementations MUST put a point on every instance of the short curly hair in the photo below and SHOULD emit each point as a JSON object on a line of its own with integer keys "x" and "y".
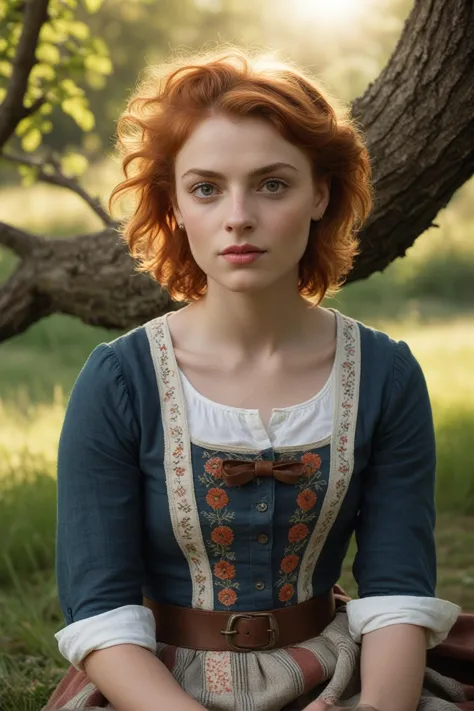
{"x": 162, "y": 113}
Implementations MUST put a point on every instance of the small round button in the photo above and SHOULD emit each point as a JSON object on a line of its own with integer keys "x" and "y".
{"x": 260, "y": 585}
{"x": 262, "y": 506}
{"x": 262, "y": 538}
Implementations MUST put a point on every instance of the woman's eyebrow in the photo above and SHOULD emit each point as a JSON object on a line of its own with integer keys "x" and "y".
{"x": 253, "y": 173}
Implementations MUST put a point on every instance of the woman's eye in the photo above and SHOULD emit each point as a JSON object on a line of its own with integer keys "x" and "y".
{"x": 275, "y": 186}
{"x": 203, "y": 190}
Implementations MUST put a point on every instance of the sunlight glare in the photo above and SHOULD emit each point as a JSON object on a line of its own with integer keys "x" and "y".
{"x": 329, "y": 10}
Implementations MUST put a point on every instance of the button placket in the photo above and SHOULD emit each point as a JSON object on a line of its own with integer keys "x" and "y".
{"x": 261, "y": 535}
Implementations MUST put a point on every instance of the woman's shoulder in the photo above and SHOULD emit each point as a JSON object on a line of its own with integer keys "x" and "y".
{"x": 123, "y": 361}
{"x": 384, "y": 357}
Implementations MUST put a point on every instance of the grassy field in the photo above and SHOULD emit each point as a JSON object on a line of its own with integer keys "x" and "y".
{"x": 427, "y": 300}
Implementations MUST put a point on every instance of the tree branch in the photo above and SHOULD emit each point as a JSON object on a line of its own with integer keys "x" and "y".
{"x": 18, "y": 241}
{"x": 89, "y": 276}
{"x": 12, "y": 109}
{"x": 49, "y": 171}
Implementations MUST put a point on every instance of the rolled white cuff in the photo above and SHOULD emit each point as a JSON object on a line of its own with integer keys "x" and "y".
{"x": 130, "y": 624}
{"x": 373, "y": 613}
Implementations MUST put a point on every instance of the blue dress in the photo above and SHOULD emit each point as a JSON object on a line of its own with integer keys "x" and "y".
{"x": 143, "y": 510}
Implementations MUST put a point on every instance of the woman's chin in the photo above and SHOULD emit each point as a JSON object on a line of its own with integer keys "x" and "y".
{"x": 245, "y": 283}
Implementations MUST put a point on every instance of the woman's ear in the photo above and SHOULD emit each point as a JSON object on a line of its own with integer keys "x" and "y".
{"x": 321, "y": 199}
{"x": 177, "y": 214}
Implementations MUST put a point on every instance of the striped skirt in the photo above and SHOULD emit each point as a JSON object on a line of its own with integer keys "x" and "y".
{"x": 325, "y": 667}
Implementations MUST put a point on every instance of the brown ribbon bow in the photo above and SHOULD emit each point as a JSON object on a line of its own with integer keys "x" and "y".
{"x": 238, "y": 472}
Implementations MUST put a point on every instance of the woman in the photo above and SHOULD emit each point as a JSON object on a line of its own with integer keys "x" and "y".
{"x": 216, "y": 461}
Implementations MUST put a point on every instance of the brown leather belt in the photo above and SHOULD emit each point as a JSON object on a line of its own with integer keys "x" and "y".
{"x": 217, "y": 631}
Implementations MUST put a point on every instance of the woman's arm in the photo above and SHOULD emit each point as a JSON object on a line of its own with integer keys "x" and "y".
{"x": 133, "y": 679}
{"x": 398, "y": 616}
{"x": 392, "y": 667}
{"x": 109, "y": 634}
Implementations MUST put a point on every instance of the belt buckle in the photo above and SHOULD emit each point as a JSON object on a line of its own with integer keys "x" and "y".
{"x": 230, "y": 630}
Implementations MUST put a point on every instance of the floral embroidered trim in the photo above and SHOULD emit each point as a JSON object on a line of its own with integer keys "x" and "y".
{"x": 300, "y": 530}
{"x": 178, "y": 465}
{"x": 342, "y": 446}
{"x": 222, "y": 534}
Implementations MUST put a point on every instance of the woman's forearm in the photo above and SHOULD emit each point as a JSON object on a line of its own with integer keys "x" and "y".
{"x": 133, "y": 679}
{"x": 392, "y": 667}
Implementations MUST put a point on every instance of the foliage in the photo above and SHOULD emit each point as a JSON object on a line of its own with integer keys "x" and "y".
{"x": 66, "y": 53}
{"x": 68, "y": 57}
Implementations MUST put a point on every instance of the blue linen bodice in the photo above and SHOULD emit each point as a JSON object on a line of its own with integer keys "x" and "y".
{"x": 144, "y": 510}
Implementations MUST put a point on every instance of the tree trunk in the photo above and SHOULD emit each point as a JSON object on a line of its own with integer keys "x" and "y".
{"x": 419, "y": 120}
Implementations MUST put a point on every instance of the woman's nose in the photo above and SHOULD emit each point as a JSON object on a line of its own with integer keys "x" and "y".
{"x": 240, "y": 217}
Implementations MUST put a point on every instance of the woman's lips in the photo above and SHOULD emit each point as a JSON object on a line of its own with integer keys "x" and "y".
{"x": 242, "y": 257}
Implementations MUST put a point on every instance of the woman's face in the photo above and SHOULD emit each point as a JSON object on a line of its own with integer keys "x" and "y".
{"x": 240, "y": 183}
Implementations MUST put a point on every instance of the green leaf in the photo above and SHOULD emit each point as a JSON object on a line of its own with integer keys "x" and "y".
{"x": 77, "y": 109}
{"x": 74, "y": 164}
{"x": 46, "y": 127}
{"x": 93, "y": 5}
{"x": 49, "y": 33}
{"x": 101, "y": 65}
{"x": 99, "y": 46}
{"x": 70, "y": 88}
{"x": 5, "y": 69}
{"x": 48, "y": 53}
{"x": 31, "y": 140}
{"x": 45, "y": 109}
{"x": 28, "y": 175}
{"x": 42, "y": 72}
{"x": 24, "y": 126}
{"x": 79, "y": 30}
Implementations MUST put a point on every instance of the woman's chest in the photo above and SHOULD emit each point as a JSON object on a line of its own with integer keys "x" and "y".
{"x": 262, "y": 387}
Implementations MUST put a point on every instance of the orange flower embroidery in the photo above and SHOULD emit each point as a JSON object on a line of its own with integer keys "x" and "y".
{"x": 227, "y": 597}
{"x": 297, "y": 532}
{"x": 312, "y": 463}
{"x": 223, "y": 535}
{"x": 217, "y": 498}
{"x": 224, "y": 570}
{"x": 306, "y": 499}
{"x": 214, "y": 467}
{"x": 289, "y": 563}
{"x": 286, "y": 593}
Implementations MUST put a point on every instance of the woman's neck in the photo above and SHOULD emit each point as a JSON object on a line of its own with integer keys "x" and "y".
{"x": 254, "y": 325}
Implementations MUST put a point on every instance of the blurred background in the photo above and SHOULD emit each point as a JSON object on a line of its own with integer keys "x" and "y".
{"x": 426, "y": 298}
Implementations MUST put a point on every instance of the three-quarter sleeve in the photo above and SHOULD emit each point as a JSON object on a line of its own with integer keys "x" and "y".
{"x": 99, "y": 528}
{"x": 395, "y": 564}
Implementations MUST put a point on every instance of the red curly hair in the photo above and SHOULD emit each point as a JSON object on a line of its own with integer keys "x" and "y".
{"x": 162, "y": 114}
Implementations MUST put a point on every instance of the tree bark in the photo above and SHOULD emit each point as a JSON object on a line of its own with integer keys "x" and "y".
{"x": 90, "y": 276}
{"x": 419, "y": 121}
{"x": 12, "y": 110}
